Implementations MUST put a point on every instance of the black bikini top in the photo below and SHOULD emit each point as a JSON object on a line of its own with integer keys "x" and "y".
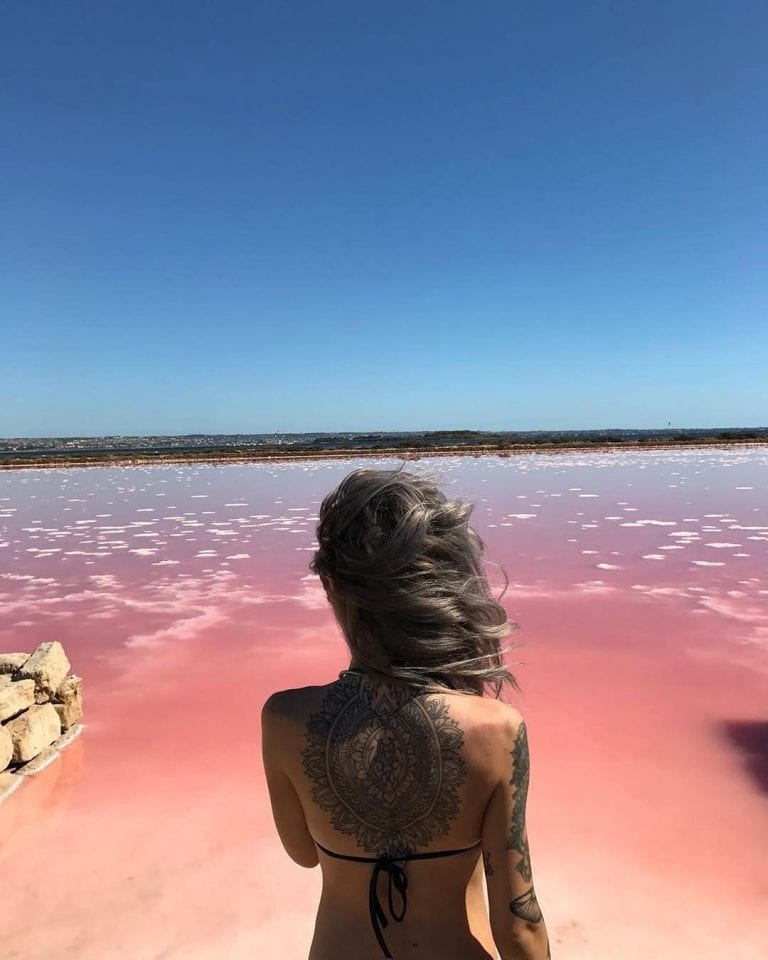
{"x": 396, "y": 878}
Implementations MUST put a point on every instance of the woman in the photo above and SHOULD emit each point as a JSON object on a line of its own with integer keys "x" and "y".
{"x": 398, "y": 774}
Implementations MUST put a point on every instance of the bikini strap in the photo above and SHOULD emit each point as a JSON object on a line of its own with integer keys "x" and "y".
{"x": 432, "y": 855}
{"x": 397, "y": 880}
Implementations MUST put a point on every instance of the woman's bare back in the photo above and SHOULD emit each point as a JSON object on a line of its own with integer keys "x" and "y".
{"x": 384, "y": 771}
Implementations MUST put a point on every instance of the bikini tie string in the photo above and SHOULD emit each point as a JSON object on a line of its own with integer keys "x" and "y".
{"x": 396, "y": 881}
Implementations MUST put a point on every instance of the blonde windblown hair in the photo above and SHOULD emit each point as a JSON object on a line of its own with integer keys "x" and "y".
{"x": 403, "y": 570}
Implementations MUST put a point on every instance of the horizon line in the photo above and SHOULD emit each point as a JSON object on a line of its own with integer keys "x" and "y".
{"x": 445, "y": 430}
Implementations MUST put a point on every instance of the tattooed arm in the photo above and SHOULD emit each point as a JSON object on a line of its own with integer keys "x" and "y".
{"x": 516, "y": 918}
{"x": 287, "y": 810}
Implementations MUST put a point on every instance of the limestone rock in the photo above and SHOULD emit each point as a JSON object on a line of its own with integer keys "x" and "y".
{"x": 11, "y": 662}
{"x": 69, "y": 689}
{"x": 6, "y": 748}
{"x": 69, "y": 713}
{"x": 15, "y": 697}
{"x": 33, "y": 731}
{"x": 66, "y": 738}
{"x": 47, "y": 666}
{"x": 68, "y": 701}
{"x": 40, "y": 762}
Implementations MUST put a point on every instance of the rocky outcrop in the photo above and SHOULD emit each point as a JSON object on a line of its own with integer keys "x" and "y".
{"x": 15, "y": 697}
{"x": 40, "y": 711}
{"x": 47, "y": 666}
{"x": 32, "y": 731}
{"x": 68, "y": 701}
{"x": 11, "y": 662}
{"x": 6, "y": 748}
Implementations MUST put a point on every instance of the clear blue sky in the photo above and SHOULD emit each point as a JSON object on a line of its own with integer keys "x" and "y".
{"x": 287, "y": 216}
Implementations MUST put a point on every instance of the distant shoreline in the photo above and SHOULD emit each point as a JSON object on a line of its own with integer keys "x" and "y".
{"x": 120, "y": 458}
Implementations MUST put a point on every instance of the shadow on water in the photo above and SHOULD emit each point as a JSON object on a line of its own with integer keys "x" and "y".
{"x": 750, "y": 737}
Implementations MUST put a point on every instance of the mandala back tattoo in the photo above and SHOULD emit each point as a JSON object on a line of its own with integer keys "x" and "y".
{"x": 385, "y": 763}
{"x": 519, "y": 781}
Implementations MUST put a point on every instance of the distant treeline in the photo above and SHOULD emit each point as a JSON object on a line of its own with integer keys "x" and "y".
{"x": 73, "y": 451}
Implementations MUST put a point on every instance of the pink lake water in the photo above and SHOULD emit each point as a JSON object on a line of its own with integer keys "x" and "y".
{"x": 639, "y": 582}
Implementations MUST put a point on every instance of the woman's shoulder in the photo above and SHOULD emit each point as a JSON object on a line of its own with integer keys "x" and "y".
{"x": 487, "y": 717}
{"x": 293, "y": 701}
{"x": 285, "y": 715}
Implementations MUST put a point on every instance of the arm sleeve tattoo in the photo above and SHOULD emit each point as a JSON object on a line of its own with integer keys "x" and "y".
{"x": 526, "y": 906}
{"x": 517, "y": 840}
